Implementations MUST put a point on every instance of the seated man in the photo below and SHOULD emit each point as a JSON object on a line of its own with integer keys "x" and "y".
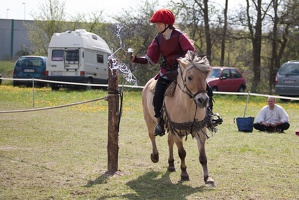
{"x": 272, "y": 118}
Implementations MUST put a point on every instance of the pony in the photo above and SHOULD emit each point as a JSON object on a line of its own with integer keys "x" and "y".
{"x": 184, "y": 112}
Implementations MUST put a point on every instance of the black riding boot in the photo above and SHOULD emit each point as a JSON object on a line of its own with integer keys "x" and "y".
{"x": 159, "y": 128}
{"x": 213, "y": 118}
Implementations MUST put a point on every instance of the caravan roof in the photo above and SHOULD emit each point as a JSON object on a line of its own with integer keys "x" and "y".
{"x": 79, "y": 38}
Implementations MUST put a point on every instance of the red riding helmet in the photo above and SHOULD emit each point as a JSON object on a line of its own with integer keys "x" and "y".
{"x": 164, "y": 16}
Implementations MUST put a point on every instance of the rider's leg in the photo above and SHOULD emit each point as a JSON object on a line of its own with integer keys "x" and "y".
{"x": 158, "y": 102}
{"x": 212, "y": 122}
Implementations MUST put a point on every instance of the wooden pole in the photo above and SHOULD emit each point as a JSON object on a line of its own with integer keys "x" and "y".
{"x": 113, "y": 117}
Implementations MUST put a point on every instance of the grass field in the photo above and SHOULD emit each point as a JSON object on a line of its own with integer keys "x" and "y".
{"x": 62, "y": 153}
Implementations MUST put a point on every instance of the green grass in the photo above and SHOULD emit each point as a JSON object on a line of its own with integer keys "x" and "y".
{"x": 6, "y": 68}
{"x": 6, "y": 71}
{"x": 62, "y": 153}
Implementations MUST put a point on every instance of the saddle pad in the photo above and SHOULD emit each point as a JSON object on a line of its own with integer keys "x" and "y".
{"x": 170, "y": 89}
{"x": 152, "y": 86}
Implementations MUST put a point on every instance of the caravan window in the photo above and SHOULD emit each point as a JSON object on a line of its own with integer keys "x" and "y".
{"x": 57, "y": 55}
{"x": 72, "y": 55}
{"x": 100, "y": 58}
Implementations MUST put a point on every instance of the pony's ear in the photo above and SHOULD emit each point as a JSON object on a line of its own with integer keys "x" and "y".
{"x": 189, "y": 57}
{"x": 182, "y": 62}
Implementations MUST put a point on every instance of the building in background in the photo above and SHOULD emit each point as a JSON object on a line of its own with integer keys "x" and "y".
{"x": 13, "y": 38}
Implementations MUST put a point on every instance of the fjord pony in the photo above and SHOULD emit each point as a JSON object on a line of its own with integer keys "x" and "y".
{"x": 184, "y": 112}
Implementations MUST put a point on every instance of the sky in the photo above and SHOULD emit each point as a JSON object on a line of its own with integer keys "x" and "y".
{"x": 23, "y": 9}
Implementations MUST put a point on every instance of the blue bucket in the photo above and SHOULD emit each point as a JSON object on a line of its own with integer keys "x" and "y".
{"x": 245, "y": 124}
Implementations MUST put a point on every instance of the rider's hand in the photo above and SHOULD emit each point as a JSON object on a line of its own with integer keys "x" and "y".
{"x": 129, "y": 54}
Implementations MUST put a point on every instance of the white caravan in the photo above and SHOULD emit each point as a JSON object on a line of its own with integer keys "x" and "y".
{"x": 77, "y": 56}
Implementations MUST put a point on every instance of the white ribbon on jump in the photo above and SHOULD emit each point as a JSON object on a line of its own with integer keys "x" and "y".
{"x": 125, "y": 70}
{"x": 122, "y": 67}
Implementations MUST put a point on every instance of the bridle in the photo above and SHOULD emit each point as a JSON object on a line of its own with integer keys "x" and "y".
{"x": 195, "y": 125}
{"x": 185, "y": 89}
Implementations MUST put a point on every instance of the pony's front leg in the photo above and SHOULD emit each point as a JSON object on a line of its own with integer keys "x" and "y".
{"x": 201, "y": 139}
{"x": 182, "y": 154}
{"x": 171, "y": 166}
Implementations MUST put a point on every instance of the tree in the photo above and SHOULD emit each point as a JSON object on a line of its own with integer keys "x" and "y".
{"x": 252, "y": 19}
{"x": 223, "y": 40}
{"x": 50, "y": 20}
{"x": 195, "y": 14}
{"x": 205, "y": 9}
{"x": 283, "y": 19}
{"x": 137, "y": 33}
{"x": 274, "y": 58}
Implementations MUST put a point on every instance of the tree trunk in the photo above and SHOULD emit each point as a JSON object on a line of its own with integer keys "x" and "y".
{"x": 207, "y": 30}
{"x": 256, "y": 40}
{"x": 274, "y": 57}
{"x": 224, "y": 35}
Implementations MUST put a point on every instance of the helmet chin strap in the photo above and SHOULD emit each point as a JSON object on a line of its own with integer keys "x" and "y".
{"x": 164, "y": 29}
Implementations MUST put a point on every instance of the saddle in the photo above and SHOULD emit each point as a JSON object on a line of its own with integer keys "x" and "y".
{"x": 169, "y": 91}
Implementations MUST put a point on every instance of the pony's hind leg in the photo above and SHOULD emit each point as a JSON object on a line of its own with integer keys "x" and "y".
{"x": 203, "y": 160}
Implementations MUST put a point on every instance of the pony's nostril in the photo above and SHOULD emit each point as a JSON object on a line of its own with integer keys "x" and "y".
{"x": 201, "y": 101}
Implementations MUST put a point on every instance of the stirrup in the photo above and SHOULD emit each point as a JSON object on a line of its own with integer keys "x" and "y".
{"x": 216, "y": 121}
{"x": 213, "y": 121}
{"x": 159, "y": 130}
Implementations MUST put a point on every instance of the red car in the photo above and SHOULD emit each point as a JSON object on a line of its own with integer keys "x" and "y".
{"x": 226, "y": 79}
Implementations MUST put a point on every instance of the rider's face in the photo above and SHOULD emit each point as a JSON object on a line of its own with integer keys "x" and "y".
{"x": 160, "y": 26}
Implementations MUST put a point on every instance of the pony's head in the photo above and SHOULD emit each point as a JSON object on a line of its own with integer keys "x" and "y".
{"x": 193, "y": 72}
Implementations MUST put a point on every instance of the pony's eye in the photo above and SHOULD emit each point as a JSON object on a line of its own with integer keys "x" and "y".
{"x": 189, "y": 78}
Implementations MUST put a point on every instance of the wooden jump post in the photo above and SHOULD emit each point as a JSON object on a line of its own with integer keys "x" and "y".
{"x": 113, "y": 119}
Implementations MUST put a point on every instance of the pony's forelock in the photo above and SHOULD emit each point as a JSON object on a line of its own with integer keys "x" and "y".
{"x": 192, "y": 59}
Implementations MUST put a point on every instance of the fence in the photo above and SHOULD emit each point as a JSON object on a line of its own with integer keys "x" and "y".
{"x": 114, "y": 109}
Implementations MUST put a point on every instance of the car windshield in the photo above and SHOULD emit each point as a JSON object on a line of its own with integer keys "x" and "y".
{"x": 215, "y": 73}
{"x": 289, "y": 69}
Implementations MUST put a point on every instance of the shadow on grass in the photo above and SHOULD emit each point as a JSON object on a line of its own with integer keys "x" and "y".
{"x": 100, "y": 180}
{"x": 153, "y": 186}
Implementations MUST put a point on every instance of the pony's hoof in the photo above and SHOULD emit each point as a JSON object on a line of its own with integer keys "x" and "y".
{"x": 185, "y": 178}
{"x": 155, "y": 158}
{"x": 171, "y": 169}
{"x": 210, "y": 182}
